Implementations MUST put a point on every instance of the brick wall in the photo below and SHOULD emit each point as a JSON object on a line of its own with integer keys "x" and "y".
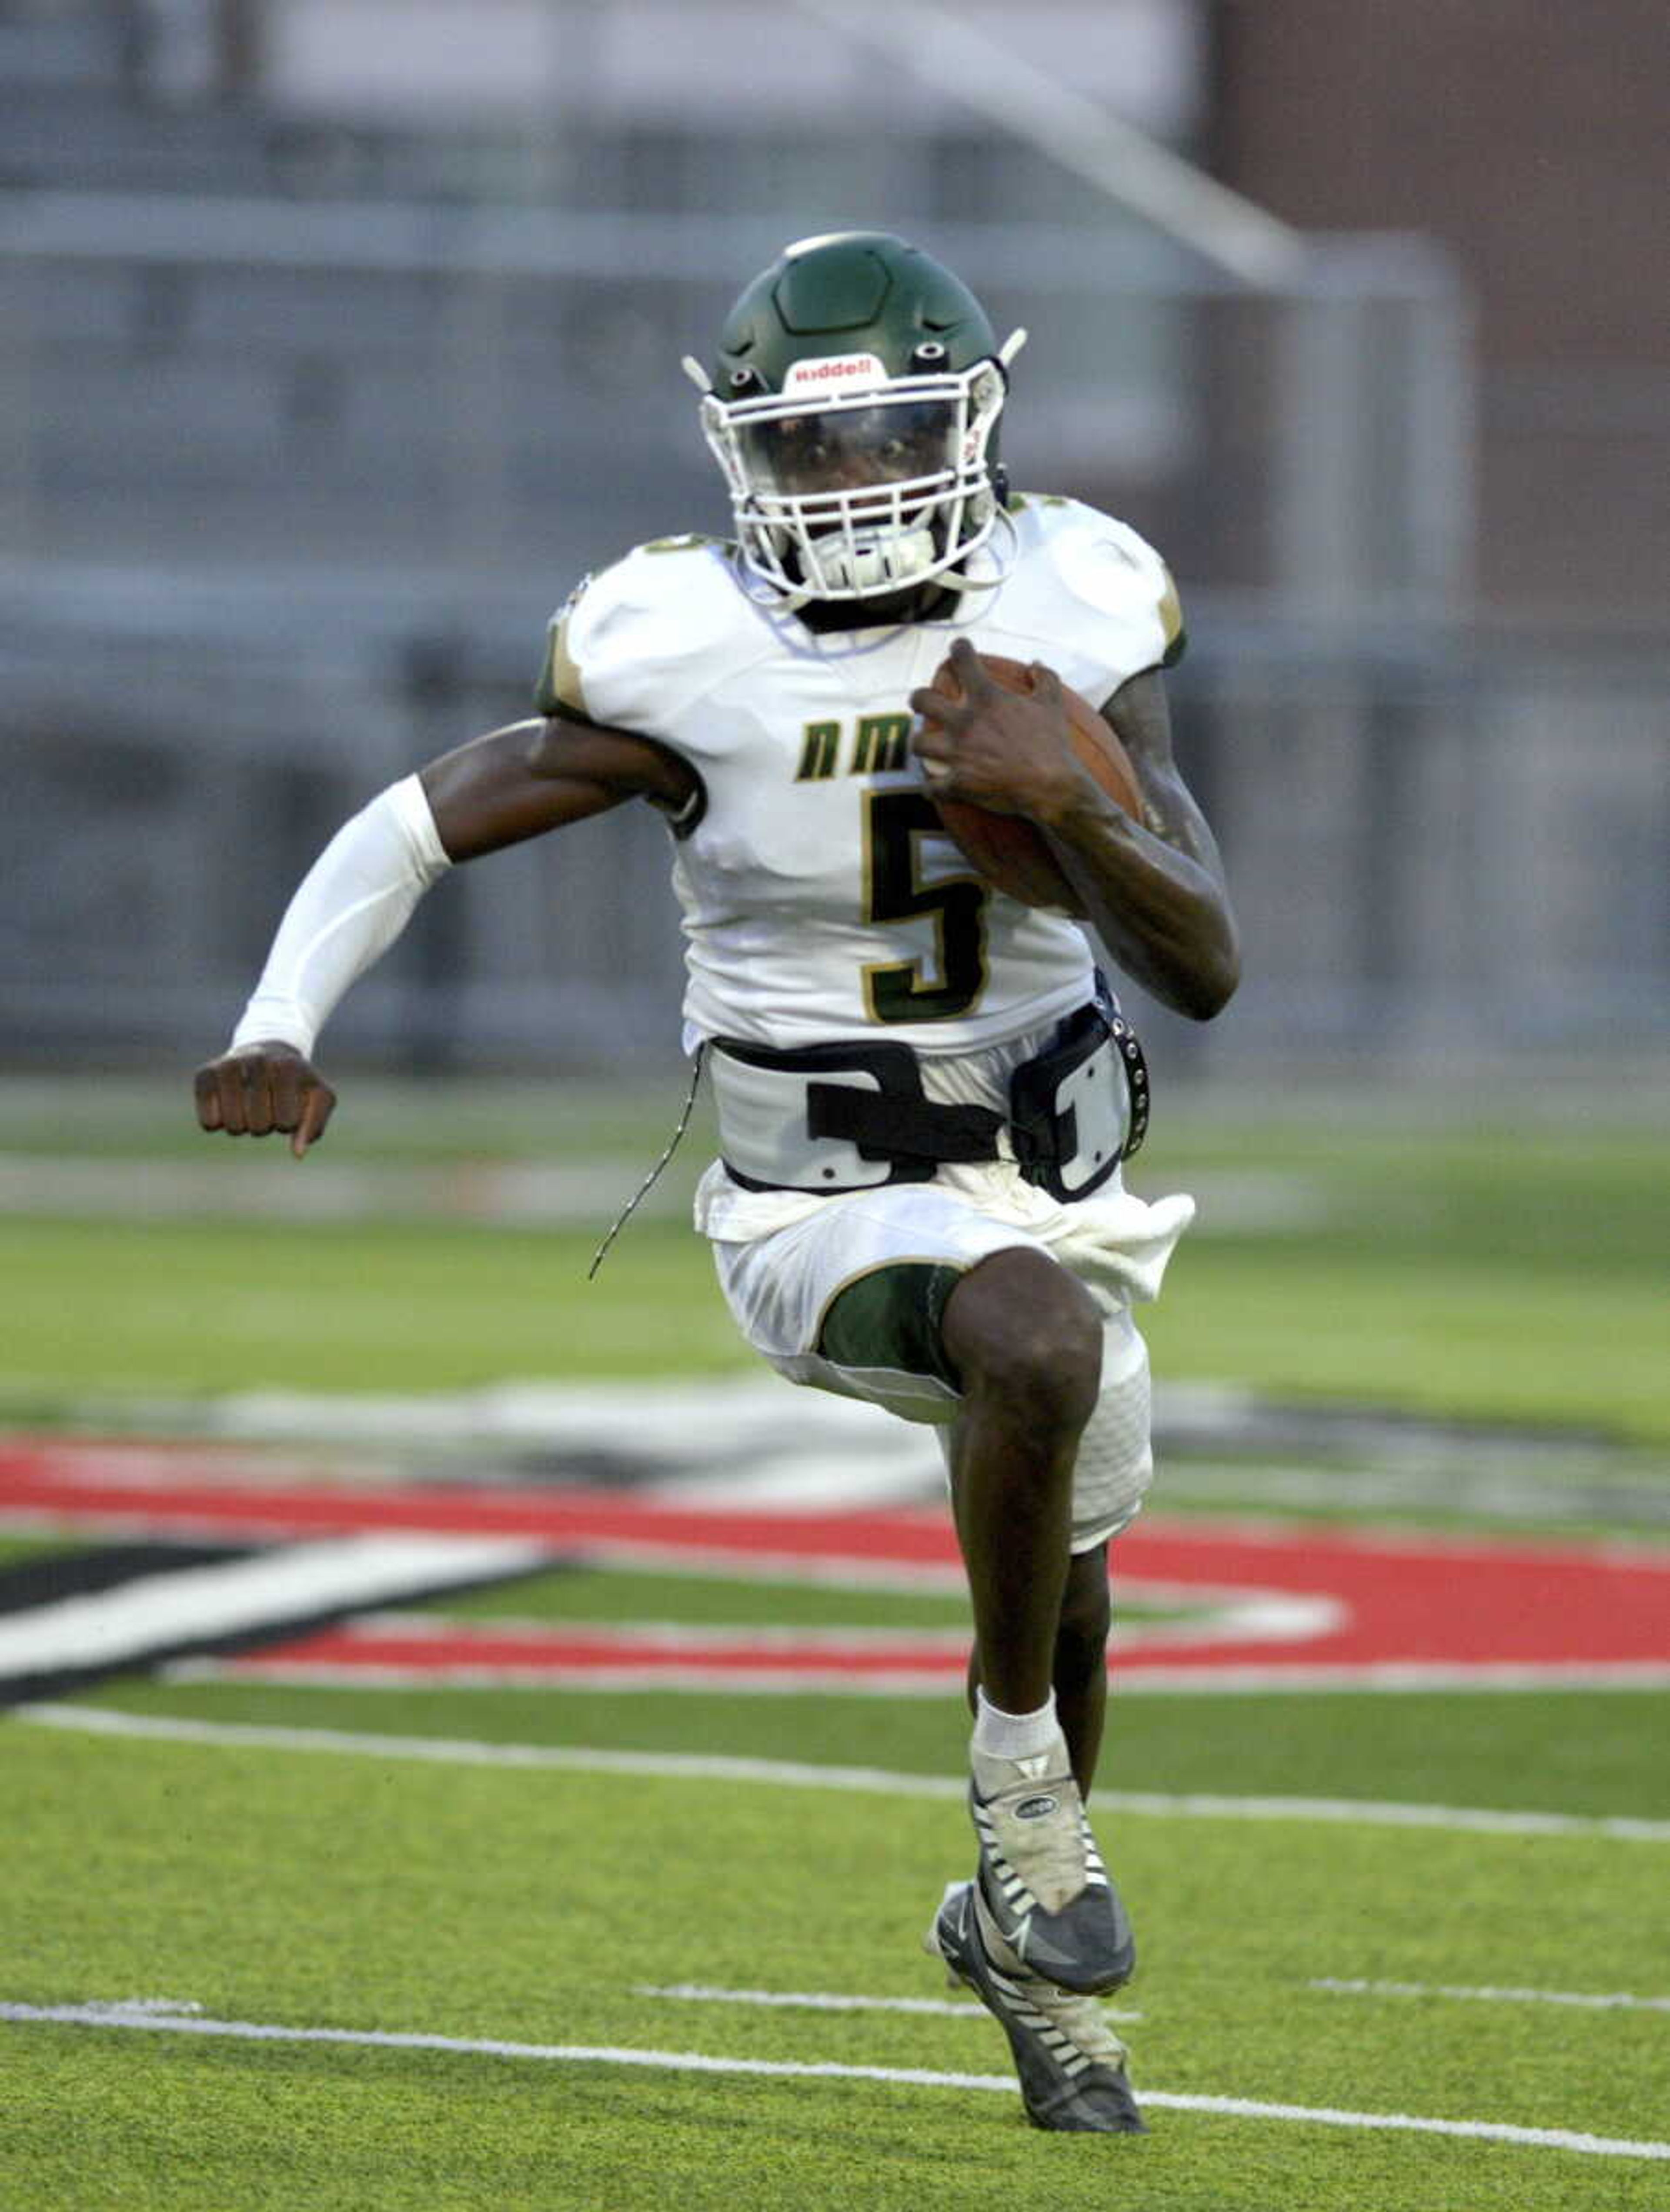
{"x": 1535, "y": 140}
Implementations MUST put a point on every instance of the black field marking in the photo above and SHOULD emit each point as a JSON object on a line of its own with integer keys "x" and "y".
{"x": 584, "y": 1467}
{"x": 85, "y": 1573}
{"x": 1217, "y": 1443}
{"x": 94, "y": 1616}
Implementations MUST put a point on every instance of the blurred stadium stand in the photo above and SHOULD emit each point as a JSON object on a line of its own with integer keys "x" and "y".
{"x": 313, "y": 403}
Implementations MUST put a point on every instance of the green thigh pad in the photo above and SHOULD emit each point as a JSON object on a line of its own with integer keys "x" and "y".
{"x": 893, "y": 1317}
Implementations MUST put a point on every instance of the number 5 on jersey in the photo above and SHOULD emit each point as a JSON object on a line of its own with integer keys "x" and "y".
{"x": 900, "y": 990}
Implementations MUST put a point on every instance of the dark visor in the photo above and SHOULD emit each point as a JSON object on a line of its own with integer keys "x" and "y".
{"x": 849, "y": 448}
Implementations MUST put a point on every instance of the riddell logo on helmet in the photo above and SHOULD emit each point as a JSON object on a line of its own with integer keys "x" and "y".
{"x": 834, "y": 368}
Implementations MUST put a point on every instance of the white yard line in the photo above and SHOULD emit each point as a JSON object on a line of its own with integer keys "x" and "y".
{"x": 134, "y": 1187}
{"x": 460, "y": 1674}
{"x": 1607, "y": 2000}
{"x": 127, "y": 1188}
{"x": 691, "y": 2062}
{"x": 655, "y": 1637}
{"x": 96, "y": 1720}
{"x": 829, "y": 2001}
{"x": 1137, "y": 1677}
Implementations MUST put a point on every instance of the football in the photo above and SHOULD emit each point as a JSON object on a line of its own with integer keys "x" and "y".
{"x": 1012, "y": 853}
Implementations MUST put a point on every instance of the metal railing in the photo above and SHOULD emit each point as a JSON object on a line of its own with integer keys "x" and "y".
{"x": 288, "y": 490}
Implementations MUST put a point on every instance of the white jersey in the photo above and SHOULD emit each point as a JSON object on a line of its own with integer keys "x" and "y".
{"x": 821, "y": 899}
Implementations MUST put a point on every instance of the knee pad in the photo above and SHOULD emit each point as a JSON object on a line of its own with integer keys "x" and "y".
{"x": 1116, "y": 1462}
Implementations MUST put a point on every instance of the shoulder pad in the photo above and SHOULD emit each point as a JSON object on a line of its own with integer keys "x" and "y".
{"x": 1108, "y": 574}
{"x": 632, "y": 646}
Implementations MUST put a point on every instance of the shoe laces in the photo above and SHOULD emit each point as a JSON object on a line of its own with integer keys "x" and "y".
{"x": 1049, "y": 1851}
{"x": 1080, "y": 2018}
{"x": 1049, "y": 1854}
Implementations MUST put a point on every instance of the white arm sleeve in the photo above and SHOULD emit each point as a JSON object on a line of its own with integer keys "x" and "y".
{"x": 349, "y": 908}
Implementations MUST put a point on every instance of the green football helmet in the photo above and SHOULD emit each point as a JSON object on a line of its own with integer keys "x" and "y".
{"x": 853, "y": 410}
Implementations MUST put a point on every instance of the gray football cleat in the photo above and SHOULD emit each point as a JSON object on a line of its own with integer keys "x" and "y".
{"x": 1071, "y": 2065}
{"x": 1041, "y": 1877}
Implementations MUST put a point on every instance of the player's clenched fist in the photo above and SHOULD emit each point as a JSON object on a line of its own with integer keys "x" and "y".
{"x": 262, "y": 1087}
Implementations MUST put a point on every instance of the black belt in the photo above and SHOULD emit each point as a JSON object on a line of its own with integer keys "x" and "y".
{"x": 885, "y": 1125}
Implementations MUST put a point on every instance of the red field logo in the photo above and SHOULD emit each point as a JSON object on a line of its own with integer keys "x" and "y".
{"x": 296, "y": 1576}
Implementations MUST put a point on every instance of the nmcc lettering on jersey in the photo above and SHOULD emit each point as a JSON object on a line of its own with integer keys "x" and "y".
{"x": 880, "y": 746}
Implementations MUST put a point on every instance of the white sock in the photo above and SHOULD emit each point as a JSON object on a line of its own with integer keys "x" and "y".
{"x": 998, "y": 1734}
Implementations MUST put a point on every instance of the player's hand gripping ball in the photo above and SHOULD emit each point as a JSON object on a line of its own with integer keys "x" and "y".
{"x": 1011, "y": 853}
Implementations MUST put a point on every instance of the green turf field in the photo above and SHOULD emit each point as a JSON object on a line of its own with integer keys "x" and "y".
{"x": 523, "y": 1907}
{"x": 230, "y": 1880}
{"x": 1476, "y": 1267}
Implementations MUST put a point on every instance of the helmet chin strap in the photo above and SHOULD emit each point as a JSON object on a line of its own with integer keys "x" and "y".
{"x": 953, "y": 579}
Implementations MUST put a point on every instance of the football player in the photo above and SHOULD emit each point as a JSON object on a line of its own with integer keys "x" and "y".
{"x": 923, "y": 1088}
